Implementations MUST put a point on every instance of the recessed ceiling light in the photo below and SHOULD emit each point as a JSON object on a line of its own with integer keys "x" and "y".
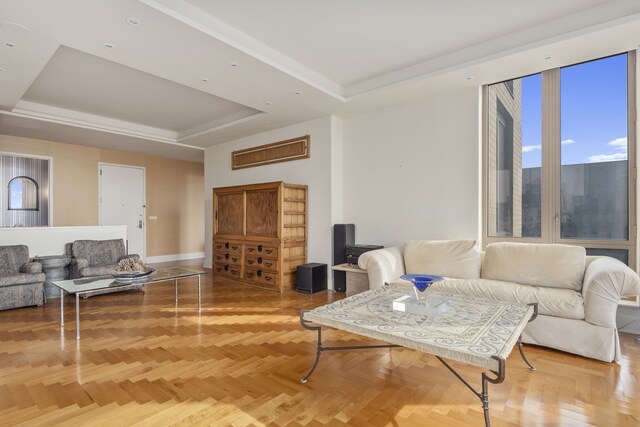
{"x": 204, "y": 79}
{"x": 15, "y": 28}
{"x": 298, "y": 92}
{"x": 134, "y": 21}
{"x": 267, "y": 103}
{"x": 548, "y": 57}
{"x": 233, "y": 65}
{"x": 467, "y": 78}
{"x": 110, "y": 45}
{"x": 9, "y": 44}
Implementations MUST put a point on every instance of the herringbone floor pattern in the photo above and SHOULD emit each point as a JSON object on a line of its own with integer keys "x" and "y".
{"x": 142, "y": 360}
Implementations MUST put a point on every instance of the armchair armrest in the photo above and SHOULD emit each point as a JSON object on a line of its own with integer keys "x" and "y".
{"x": 31, "y": 267}
{"x": 129, "y": 256}
{"x": 605, "y": 282}
{"x": 80, "y": 263}
{"x": 382, "y": 265}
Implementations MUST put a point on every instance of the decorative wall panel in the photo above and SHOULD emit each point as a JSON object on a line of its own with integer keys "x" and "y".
{"x": 37, "y": 169}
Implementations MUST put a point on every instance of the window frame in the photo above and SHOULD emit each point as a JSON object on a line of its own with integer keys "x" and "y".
{"x": 551, "y": 149}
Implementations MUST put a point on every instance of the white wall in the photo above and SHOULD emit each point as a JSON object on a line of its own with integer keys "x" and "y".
{"x": 314, "y": 172}
{"x": 412, "y": 171}
{"x": 44, "y": 241}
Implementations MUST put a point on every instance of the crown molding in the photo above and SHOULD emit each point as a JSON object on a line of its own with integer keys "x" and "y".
{"x": 596, "y": 18}
{"x": 220, "y": 30}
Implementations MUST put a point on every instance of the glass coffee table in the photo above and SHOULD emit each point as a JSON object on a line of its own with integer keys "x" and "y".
{"x": 99, "y": 285}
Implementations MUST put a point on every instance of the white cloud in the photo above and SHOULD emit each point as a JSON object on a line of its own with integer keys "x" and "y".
{"x": 528, "y": 148}
{"x": 619, "y": 144}
{"x": 567, "y": 142}
{"x": 607, "y": 157}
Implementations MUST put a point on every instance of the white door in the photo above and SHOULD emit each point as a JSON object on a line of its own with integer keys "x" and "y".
{"x": 122, "y": 202}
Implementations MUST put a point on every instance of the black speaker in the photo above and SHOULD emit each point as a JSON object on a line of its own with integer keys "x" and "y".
{"x": 311, "y": 278}
{"x": 343, "y": 236}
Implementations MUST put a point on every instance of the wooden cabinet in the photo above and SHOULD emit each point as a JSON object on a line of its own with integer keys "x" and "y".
{"x": 260, "y": 233}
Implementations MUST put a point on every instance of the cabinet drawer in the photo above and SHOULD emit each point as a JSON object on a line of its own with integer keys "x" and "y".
{"x": 228, "y": 247}
{"x": 257, "y": 261}
{"x": 227, "y": 258}
{"x": 228, "y": 270}
{"x": 263, "y": 251}
{"x": 263, "y": 277}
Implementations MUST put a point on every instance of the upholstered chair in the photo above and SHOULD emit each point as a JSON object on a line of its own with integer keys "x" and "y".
{"x": 97, "y": 257}
{"x": 21, "y": 281}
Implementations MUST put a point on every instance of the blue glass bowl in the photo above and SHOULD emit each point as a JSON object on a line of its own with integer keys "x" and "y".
{"x": 422, "y": 281}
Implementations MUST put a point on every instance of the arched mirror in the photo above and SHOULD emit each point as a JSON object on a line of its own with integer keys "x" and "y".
{"x": 23, "y": 194}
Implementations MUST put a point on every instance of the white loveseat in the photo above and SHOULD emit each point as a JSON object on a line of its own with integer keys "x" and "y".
{"x": 577, "y": 295}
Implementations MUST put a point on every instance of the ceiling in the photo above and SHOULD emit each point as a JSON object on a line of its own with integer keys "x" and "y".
{"x": 194, "y": 73}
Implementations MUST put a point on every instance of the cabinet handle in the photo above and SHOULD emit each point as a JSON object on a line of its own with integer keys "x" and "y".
{"x": 235, "y": 248}
{"x": 226, "y": 245}
{"x": 250, "y": 261}
{"x": 269, "y": 251}
{"x": 268, "y": 264}
{"x": 226, "y": 267}
{"x": 234, "y": 259}
{"x": 259, "y": 248}
{"x": 226, "y": 256}
{"x": 259, "y": 273}
{"x": 234, "y": 271}
{"x": 250, "y": 249}
{"x": 268, "y": 278}
{"x": 260, "y": 260}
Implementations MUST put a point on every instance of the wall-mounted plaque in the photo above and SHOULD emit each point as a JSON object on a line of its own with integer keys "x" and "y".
{"x": 281, "y": 151}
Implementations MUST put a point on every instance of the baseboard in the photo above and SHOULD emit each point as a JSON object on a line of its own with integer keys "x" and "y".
{"x": 174, "y": 257}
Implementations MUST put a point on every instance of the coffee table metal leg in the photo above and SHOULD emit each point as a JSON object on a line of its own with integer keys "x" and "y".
{"x": 520, "y": 347}
{"x": 77, "y": 316}
{"x": 175, "y": 286}
{"x": 320, "y": 348}
{"x": 199, "y": 304}
{"x": 61, "y": 307}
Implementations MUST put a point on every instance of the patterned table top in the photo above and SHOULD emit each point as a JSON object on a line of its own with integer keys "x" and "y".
{"x": 473, "y": 331}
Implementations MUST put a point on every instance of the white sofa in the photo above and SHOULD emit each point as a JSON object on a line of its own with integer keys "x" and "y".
{"x": 577, "y": 295}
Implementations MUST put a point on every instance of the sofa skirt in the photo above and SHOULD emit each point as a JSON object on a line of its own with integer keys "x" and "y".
{"x": 574, "y": 336}
{"x": 15, "y": 296}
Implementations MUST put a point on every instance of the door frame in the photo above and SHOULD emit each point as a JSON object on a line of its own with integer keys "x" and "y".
{"x": 143, "y": 255}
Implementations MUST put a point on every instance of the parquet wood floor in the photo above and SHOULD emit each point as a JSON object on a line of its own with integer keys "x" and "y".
{"x": 144, "y": 361}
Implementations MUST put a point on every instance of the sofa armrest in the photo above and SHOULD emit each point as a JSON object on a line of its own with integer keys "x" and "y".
{"x": 382, "y": 265}
{"x": 606, "y": 280}
{"x": 129, "y": 256}
{"x": 31, "y": 267}
{"x": 80, "y": 263}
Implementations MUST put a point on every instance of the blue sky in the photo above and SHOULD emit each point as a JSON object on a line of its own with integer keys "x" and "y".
{"x": 593, "y": 104}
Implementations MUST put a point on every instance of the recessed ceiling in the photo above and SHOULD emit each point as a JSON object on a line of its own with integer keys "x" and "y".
{"x": 81, "y": 82}
{"x": 352, "y": 41}
{"x": 170, "y": 81}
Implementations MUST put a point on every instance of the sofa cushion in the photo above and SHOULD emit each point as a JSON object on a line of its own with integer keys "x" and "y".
{"x": 12, "y": 258}
{"x": 99, "y": 252}
{"x": 22, "y": 279}
{"x": 551, "y": 301}
{"x": 450, "y": 258}
{"x": 554, "y": 266}
{"x": 102, "y": 270}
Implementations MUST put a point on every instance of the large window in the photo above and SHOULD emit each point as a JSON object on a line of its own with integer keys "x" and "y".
{"x": 559, "y": 158}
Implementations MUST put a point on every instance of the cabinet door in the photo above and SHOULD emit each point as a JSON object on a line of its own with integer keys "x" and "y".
{"x": 262, "y": 213}
{"x": 229, "y": 215}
